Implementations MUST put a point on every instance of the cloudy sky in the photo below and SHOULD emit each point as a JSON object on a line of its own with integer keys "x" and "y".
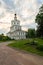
{"x": 26, "y": 11}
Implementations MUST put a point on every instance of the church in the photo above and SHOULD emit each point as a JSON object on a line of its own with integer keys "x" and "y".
{"x": 15, "y": 30}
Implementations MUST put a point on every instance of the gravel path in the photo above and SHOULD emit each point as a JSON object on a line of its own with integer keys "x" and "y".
{"x": 9, "y": 56}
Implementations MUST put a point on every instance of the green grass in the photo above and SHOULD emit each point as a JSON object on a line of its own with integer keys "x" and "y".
{"x": 21, "y": 45}
{"x": 5, "y": 40}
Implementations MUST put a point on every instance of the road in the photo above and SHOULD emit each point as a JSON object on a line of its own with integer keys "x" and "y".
{"x": 9, "y": 56}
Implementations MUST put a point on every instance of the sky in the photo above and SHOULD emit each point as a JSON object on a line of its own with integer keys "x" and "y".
{"x": 26, "y": 11}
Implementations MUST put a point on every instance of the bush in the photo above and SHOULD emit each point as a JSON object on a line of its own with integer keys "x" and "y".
{"x": 26, "y": 43}
{"x": 40, "y": 47}
{"x": 4, "y": 38}
{"x": 34, "y": 43}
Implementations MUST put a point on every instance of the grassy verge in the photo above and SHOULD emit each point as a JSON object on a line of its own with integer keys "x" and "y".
{"x": 22, "y": 44}
{"x": 5, "y": 40}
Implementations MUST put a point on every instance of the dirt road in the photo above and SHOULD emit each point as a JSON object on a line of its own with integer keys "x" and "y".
{"x": 9, "y": 56}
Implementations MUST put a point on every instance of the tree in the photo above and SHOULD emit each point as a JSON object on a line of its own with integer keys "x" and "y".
{"x": 39, "y": 21}
{"x": 30, "y": 33}
{"x": 4, "y": 38}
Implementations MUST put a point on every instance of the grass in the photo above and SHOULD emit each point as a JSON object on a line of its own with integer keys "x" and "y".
{"x": 21, "y": 44}
{"x": 5, "y": 40}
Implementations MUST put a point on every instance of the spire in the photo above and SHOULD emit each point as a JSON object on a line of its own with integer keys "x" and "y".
{"x": 15, "y": 16}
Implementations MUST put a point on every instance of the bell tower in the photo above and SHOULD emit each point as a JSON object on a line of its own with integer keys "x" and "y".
{"x": 15, "y": 24}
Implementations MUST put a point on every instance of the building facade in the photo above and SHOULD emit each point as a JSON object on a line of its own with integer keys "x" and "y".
{"x": 15, "y": 30}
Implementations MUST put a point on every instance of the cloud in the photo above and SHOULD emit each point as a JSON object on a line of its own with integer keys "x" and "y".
{"x": 26, "y": 11}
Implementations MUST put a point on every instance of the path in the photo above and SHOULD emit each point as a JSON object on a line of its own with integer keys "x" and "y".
{"x": 9, "y": 56}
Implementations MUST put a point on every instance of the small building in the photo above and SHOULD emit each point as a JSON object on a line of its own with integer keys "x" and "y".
{"x": 15, "y": 30}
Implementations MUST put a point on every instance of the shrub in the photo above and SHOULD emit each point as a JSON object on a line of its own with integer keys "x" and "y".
{"x": 26, "y": 43}
{"x": 4, "y": 38}
{"x": 34, "y": 43}
{"x": 40, "y": 47}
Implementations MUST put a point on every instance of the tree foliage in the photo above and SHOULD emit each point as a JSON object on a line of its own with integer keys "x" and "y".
{"x": 4, "y": 38}
{"x": 30, "y": 33}
{"x": 39, "y": 21}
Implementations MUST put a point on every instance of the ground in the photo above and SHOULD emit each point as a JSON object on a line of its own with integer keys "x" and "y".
{"x": 9, "y": 56}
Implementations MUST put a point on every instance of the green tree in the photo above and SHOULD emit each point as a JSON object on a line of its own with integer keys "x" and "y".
{"x": 30, "y": 33}
{"x": 1, "y": 36}
{"x": 39, "y": 21}
{"x": 4, "y": 38}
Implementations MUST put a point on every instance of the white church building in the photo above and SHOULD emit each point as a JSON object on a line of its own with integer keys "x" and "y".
{"x": 15, "y": 30}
